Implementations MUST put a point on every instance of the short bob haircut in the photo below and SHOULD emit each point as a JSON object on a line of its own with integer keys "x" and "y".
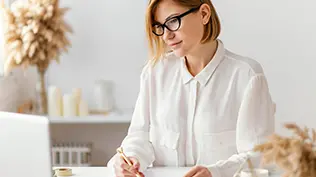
{"x": 157, "y": 48}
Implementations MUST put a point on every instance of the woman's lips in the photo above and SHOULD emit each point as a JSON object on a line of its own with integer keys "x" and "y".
{"x": 175, "y": 44}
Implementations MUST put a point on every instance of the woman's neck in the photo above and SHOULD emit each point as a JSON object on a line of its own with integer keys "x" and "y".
{"x": 200, "y": 57}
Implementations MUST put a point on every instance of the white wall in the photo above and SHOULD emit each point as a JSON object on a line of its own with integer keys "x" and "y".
{"x": 109, "y": 43}
{"x": 281, "y": 36}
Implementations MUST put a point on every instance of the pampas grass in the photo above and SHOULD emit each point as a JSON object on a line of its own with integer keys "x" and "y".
{"x": 295, "y": 155}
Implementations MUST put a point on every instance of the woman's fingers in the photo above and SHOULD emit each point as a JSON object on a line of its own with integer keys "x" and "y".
{"x": 122, "y": 169}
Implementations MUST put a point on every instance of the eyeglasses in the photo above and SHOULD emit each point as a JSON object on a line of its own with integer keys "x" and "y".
{"x": 172, "y": 23}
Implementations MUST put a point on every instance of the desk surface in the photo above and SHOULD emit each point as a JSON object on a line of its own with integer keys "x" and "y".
{"x": 105, "y": 172}
{"x": 152, "y": 172}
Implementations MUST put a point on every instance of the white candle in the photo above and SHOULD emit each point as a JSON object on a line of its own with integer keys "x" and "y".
{"x": 69, "y": 105}
{"x": 54, "y": 101}
{"x": 83, "y": 108}
{"x": 76, "y": 92}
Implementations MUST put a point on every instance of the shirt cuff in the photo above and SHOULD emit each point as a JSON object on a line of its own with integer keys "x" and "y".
{"x": 214, "y": 171}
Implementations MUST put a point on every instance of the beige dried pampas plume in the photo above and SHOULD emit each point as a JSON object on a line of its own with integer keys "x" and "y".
{"x": 296, "y": 155}
{"x": 34, "y": 33}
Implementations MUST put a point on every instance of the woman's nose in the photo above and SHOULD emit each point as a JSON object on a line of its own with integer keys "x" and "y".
{"x": 168, "y": 35}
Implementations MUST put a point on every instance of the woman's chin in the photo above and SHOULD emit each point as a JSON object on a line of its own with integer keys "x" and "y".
{"x": 179, "y": 52}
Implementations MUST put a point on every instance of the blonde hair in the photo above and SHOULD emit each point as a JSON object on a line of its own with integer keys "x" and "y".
{"x": 157, "y": 48}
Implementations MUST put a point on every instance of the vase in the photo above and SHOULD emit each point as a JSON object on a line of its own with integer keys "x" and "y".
{"x": 103, "y": 95}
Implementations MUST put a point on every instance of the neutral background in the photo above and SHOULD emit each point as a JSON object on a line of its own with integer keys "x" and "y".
{"x": 109, "y": 43}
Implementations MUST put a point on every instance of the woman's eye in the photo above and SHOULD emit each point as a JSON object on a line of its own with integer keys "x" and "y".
{"x": 172, "y": 21}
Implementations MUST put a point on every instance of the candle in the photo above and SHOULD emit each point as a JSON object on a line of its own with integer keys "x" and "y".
{"x": 54, "y": 101}
{"x": 76, "y": 92}
{"x": 83, "y": 108}
{"x": 69, "y": 105}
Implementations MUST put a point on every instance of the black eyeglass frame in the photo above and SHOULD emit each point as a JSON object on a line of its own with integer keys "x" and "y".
{"x": 178, "y": 17}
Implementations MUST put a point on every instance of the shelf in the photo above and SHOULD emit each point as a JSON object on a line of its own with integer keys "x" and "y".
{"x": 93, "y": 119}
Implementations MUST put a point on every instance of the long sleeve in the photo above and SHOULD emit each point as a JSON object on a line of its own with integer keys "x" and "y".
{"x": 136, "y": 143}
{"x": 255, "y": 123}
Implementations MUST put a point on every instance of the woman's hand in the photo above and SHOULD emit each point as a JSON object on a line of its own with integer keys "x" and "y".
{"x": 122, "y": 169}
{"x": 199, "y": 171}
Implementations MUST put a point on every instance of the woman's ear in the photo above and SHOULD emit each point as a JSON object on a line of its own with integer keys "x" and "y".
{"x": 205, "y": 13}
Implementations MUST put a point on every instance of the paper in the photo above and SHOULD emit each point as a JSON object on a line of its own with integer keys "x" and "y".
{"x": 171, "y": 171}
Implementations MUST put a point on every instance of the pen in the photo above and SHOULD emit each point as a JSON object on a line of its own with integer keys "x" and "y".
{"x": 120, "y": 151}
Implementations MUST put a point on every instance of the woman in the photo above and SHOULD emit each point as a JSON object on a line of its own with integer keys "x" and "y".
{"x": 199, "y": 105}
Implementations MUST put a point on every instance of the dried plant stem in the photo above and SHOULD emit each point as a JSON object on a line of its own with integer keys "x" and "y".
{"x": 251, "y": 167}
{"x": 43, "y": 92}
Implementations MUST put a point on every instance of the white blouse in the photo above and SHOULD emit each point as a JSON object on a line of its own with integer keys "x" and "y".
{"x": 212, "y": 119}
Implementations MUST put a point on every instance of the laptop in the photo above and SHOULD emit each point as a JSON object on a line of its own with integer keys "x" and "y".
{"x": 25, "y": 149}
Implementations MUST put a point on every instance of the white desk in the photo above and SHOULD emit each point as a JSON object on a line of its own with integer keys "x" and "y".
{"x": 153, "y": 172}
{"x": 105, "y": 172}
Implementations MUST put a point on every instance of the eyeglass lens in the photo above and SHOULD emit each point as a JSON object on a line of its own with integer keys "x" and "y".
{"x": 172, "y": 24}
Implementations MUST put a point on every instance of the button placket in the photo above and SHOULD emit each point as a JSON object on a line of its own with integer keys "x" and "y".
{"x": 192, "y": 105}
